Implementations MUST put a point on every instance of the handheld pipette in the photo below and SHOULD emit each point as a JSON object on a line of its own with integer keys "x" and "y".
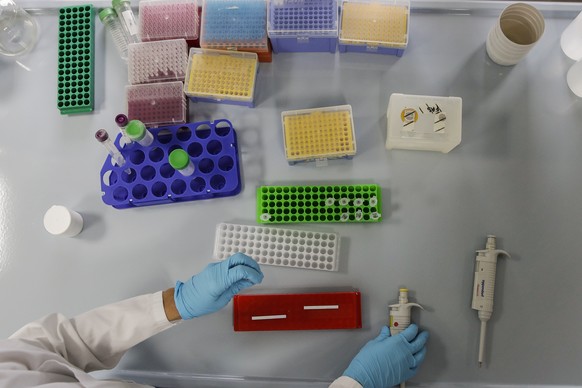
{"x": 484, "y": 287}
{"x": 400, "y": 315}
{"x": 103, "y": 137}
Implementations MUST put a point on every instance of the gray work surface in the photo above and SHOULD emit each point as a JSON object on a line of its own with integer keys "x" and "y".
{"x": 516, "y": 174}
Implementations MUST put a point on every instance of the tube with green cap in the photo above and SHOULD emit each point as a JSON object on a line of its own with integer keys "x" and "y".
{"x": 180, "y": 160}
{"x": 137, "y": 131}
{"x": 112, "y": 24}
{"x": 127, "y": 19}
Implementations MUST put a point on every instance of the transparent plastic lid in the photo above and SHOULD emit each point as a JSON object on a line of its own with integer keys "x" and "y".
{"x": 221, "y": 75}
{"x": 375, "y": 23}
{"x": 424, "y": 123}
{"x": 320, "y": 133}
{"x": 157, "y": 104}
{"x": 288, "y": 18}
{"x": 157, "y": 61}
{"x": 168, "y": 19}
{"x": 234, "y": 24}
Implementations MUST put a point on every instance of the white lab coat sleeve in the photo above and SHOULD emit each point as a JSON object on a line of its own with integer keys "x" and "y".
{"x": 98, "y": 338}
{"x": 345, "y": 382}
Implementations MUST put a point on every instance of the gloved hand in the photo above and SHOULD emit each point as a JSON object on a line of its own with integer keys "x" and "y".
{"x": 213, "y": 288}
{"x": 387, "y": 361}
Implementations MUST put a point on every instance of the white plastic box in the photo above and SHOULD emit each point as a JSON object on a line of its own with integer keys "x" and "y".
{"x": 424, "y": 123}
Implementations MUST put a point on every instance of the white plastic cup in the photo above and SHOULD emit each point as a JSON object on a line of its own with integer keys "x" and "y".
{"x": 60, "y": 221}
{"x": 519, "y": 27}
{"x": 18, "y": 30}
{"x": 571, "y": 39}
{"x": 574, "y": 78}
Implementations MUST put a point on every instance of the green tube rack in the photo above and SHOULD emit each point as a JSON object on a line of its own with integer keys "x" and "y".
{"x": 76, "y": 59}
{"x": 323, "y": 203}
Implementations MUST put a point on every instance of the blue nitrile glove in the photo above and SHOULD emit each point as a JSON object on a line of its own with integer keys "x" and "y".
{"x": 387, "y": 361}
{"x": 213, "y": 288}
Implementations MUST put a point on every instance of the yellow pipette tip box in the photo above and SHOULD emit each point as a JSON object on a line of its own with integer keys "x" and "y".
{"x": 221, "y": 76}
{"x": 319, "y": 134}
{"x": 375, "y": 23}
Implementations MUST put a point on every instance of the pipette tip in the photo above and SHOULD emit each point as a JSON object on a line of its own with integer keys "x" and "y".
{"x": 480, "y": 364}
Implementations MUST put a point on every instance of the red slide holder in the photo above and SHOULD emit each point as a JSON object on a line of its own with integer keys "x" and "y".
{"x": 320, "y": 311}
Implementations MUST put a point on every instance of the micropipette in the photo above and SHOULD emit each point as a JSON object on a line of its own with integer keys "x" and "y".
{"x": 484, "y": 287}
{"x": 103, "y": 137}
{"x": 400, "y": 315}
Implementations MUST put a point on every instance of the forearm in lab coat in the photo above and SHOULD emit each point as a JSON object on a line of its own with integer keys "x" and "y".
{"x": 98, "y": 338}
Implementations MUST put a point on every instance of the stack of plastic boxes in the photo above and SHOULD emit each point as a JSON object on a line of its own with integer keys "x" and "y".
{"x": 156, "y": 73}
{"x": 169, "y": 19}
{"x": 221, "y": 76}
{"x": 303, "y": 25}
{"x": 375, "y": 26}
{"x": 236, "y": 25}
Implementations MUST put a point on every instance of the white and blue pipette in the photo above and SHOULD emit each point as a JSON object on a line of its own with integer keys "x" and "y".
{"x": 400, "y": 315}
{"x": 484, "y": 287}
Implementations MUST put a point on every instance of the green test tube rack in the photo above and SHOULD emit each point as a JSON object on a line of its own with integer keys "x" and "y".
{"x": 322, "y": 203}
{"x": 76, "y": 59}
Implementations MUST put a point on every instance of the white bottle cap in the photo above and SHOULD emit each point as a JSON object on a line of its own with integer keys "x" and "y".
{"x": 60, "y": 221}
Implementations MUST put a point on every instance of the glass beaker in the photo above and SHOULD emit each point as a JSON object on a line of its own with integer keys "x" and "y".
{"x": 18, "y": 30}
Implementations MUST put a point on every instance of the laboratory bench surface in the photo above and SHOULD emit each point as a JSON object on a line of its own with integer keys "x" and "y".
{"x": 516, "y": 174}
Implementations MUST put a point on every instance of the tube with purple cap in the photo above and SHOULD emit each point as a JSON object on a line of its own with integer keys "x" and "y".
{"x": 103, "y": 137}
{"x": 121, "y": 120}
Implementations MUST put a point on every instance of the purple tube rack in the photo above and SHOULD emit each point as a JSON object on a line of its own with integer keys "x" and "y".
{"x": 212, "y": 147}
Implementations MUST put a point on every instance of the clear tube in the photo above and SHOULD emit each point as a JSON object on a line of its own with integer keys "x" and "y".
{"x": 147, "y": 139}
{"x": 103, "y": 137}
{"x": 127, "y": 20}
{"x": 188, "y": 170}
{"x": 113, "y": 25}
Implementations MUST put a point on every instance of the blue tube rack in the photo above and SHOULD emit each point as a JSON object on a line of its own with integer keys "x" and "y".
{"x": 151, "y": 180}
{"x": 303, "y": 26}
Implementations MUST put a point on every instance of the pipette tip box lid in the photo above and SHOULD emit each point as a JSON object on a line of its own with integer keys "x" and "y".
{"x": 375, "y": 26}
{"x": 157, "y": 104}
{"x": 160, "y": 61}
{"x": 147, "y": 178}
{"x": 278, "y": 246}
{"x": 76, "y": 59}
{"x": 425, "y": 123}
{"x": 319, "y": 134}
{"x": 309, "y": 311}
{"x": 321, "y": 203}
{"x": 234, "y": 25}
{"x": 303, "y": 25}
{"x": 168, "y": 19}
{"x": 221, "y": 76}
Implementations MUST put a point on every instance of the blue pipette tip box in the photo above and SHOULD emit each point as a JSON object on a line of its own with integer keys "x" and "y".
{"x": 147, "y": 178}
{"x": 303, "y": 26}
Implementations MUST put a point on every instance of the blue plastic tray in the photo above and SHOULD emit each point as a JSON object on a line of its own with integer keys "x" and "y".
{"x": 212, "y": 147}
{"x": 304, "y": 45}
{"x": 352, "y": 48}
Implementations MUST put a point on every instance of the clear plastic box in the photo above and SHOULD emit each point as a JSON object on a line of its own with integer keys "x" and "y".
{"x": 279, "y": 247}
{"x": 234, "y": 25}
{"x": 157, "y": 104}
{"x": 161, "y": 61}
{"x": 303, "y": 25}
{"x": 168, "y": 19}
{"x": 378, "y": 26}
{"x": 424, "y": 123}
{"x": 319, "y": 134}
{"x": 221, "y": 76}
